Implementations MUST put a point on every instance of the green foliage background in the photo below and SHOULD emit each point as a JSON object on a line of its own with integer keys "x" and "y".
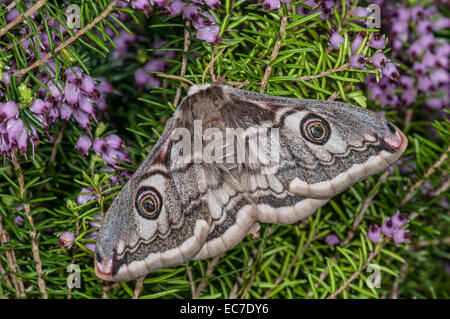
{"x": 298, "y": 254}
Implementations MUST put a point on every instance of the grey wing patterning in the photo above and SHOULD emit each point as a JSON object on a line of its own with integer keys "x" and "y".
{"x": 229, "y": 158}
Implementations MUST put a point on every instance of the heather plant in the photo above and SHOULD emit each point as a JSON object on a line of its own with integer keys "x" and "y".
{"x": 86, "y": 88}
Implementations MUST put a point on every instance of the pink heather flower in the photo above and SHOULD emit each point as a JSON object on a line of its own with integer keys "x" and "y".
{"x": 86, "y": 195}
{"x": 112, "y": 156}
{"x": 86, "y": 105}
{"x": 72, "y": 93}
{"x": 43, "y": 37}
{"x": 407, "y": 97}
{"x": 155, "y": 65}
{"x": 436, "y": 103}
{"x": 190, "y": 13}
{"x": 419, "y": 68}
{"x": 94, "y": 234}
{"x": 335, "y": 39}
{"x": 83, "y": 144}
{"x": 424, "y": 27}
{"x": 99, "y": 146}
{"x": 141, "y": 77}
{"x": 424, "y": 84}
{"x": 53, "y": 114}
{"x": 401, "y": 14}
{"x": 96, "y": 222}
{"x": 215, "y": 4}
{"x": 38, "y": 106}
{"x": 399, "y": 27}
{"x": 440, "y": 76}
{"x": 357, "y": 61}
{"x": 4, "y": 78}
{"x": 82, "y": 118}
{"x": 74, "y": 75}
{"x": 8, "y": 111}
{"x": 379, "y": 60}
{"x": 144, "y": 5}
{"x": 160, "y": 3}
{"x": 360, "y": 12}
{"x": 378, "y": 41}
{"x": 426, "y": 41}
{"x": 18, "y": 221}
{"x": 205, "y": 20}
{"x": 87, "y": 84}
{"x": 141, "y": 4}
{"x": 401, "y": 236}
{"x": 444, "y": 202}
{"x": 375, "y": 93}
{"x": 416, "y": 49}
{"x": 429, "y": 60}
{"x": 55, "y": 89}
{"x": 327, "y": 8}
{"x": 302, "y": 10}
{"x": 390, "y": 70}
{"x": 374, "y": 234}
{"x": 208, "y": 34}
{"x": 417, "y": 13}
{"x": 14, "y": 13}
{"x": 113, "y": 141}
{"x": 104, "y": 86}
{"x": 271, "y": 4}
{"x": 441, "y": 23}
{"x": 90, "y": 246}
{"x": 407, "y": 82}
{"x": 66, "y": 239}
{"x": 399, "y": 219}
{"x": 358, "y": 41}
{"x": 388, "y": 227}
{"x": 175, "y": 7}
{"x": 65, "y": 111}
{"x": 332, "y": 240}
{"x": 17, "y": 133}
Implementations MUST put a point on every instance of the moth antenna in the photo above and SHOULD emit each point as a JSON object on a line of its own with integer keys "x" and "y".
{"x": 211, "y": 66}
{"x": 175, "y": 77}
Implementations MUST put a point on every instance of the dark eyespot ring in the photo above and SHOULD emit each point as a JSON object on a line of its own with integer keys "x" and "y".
{"x": 315, "y": 129}
{"x": 148, "y": 202}
{"x": 391, "y": 128}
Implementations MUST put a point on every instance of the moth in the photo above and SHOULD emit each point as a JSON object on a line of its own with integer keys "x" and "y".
{"x": 228, "y": 159}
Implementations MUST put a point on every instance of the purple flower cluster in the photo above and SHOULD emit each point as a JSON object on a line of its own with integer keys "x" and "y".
{"x": 14, "y": 135}
{"x": 415, "y": 44}
{"x": 143, "y": 78}
{"x": 194, "y": 11}
{"x": 387, "y": 69}
{"x": 66, "y": 239}
{"x": 78, "y": 98}
{"x": 109, "y": 148}
{"x": 74, "y": 96}
{"x": 332, "y": 240}
{"x": 308, "y": 7}
{"x": 390, "y": 228}
{"x": 201, "y": 19}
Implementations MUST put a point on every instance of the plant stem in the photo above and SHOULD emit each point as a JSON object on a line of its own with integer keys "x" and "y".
{"x": 34, "y": 245}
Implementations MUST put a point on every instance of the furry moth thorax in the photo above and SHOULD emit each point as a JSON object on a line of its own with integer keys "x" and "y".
{"x": 229, "y": 158}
